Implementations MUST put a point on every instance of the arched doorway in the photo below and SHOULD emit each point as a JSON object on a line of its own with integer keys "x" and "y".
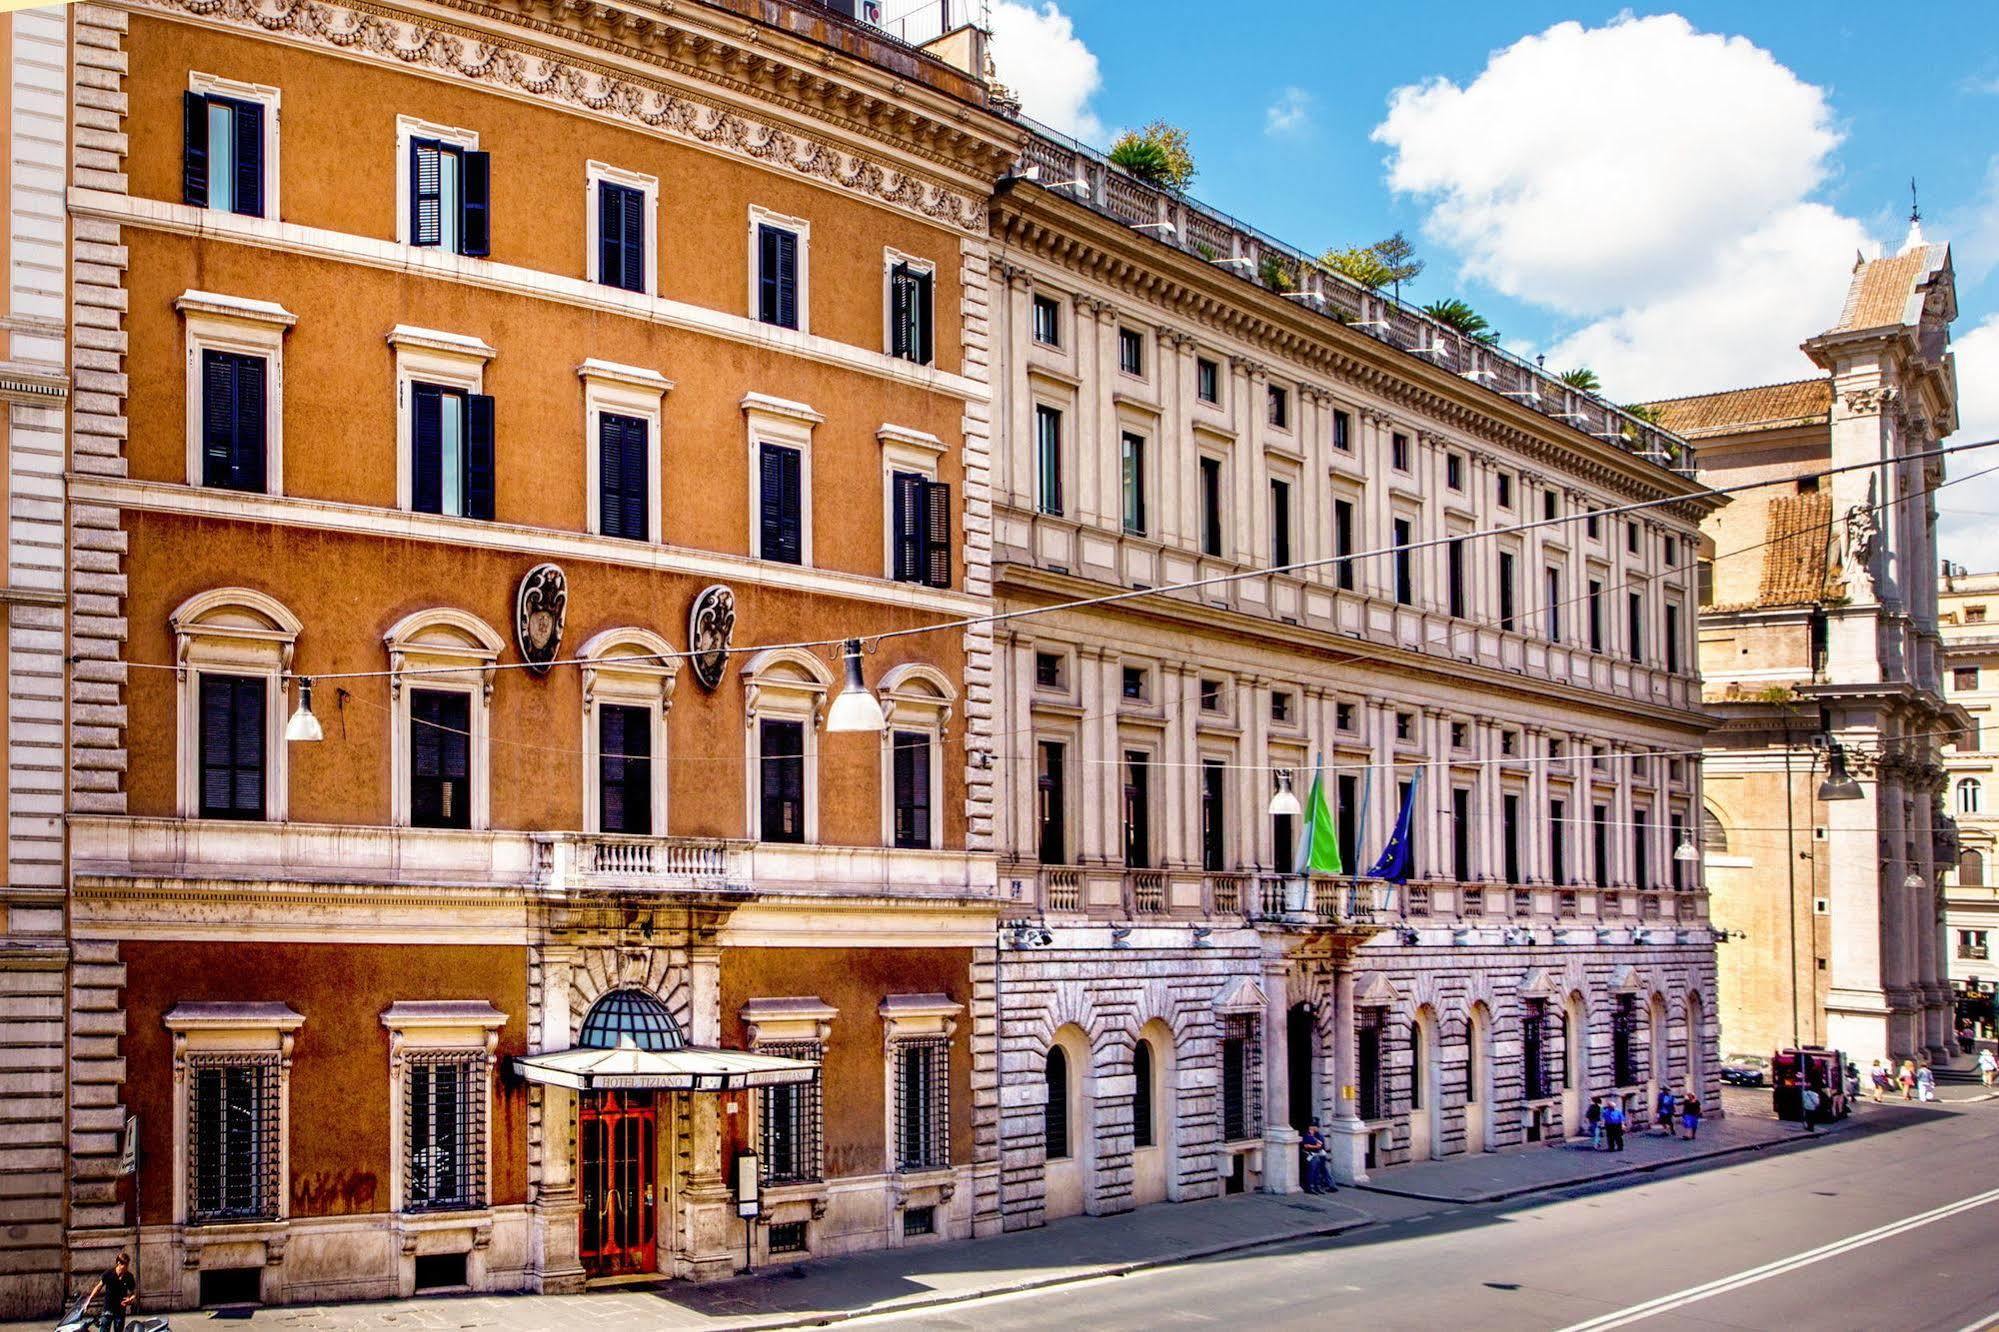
{"x": 1575, "y": 1063}
{"x": 620, "y": 1185}
{"x": 1155, "y": 1155}
{"x": 1068, "y": 1138}
{"x": 1696, "y": 1043}
{"x": 1658, "y": 1057}
{"x": 1425, "y": 1134}
{"x": 1478, "y": 1078}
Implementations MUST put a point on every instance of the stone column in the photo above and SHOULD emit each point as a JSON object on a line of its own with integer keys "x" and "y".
{"x": 1015, "y": 478}
{"x": 1857, "y": 1010}
{"x": 714, "y": 1234}
{"x": 1093, "y": 843}
{"x": 1347, "y": 1133}
{"x": 1280, "y": 1140}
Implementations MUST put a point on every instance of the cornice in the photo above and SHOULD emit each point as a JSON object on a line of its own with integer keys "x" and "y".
{"x": 515, "y": 49}
{"x": 1076, "y": 239}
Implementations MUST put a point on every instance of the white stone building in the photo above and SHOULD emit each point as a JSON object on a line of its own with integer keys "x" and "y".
{"x": 1968, "y": 620}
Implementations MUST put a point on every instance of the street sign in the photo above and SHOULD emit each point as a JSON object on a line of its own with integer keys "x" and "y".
{"x": 128, "y": 1150}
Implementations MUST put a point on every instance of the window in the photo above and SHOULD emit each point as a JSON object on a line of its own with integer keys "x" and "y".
{"x": 779, "y": 259}
{"x": 1507, "y": 590}
{"x": 922, "y": 1104}
{"x": 780, "y": 503}
{"x": 1509, "y": 836}
{"x": 1211, "y": 695}
{"x": 1343, "y": 716}
{"x": 1132, "y": 476}
{"x": 1130, "y": 351}
{"x": 1631, "y": 537}
{"x": 1551, "y": 505}
{"x": 1600, "y": 837}
{"x": 1207, "y": 380}
{"x": 224, "y": 146}
{"x": 1346, "y": 818}
{"x": 1213, "y": 815}
{"x": 1343, "y": 539}
{"x": 1048, "y": 458}
{"x": 1964, "y": 677}
{"x": 624, "y": 769}
{"x": 1280, "y": 407}
{"x": 1135, "y": 683}
{"x": 1048, "y": 670}
{"x": 234, "y": 715}
{"x": 917, "y": 1221}
{"x": 1398, "y": 451}
{"x": 1591, "y": 527}
{"x": 1623, "y": 1046}
{"x": 1342, "y": 431}
{"x": 451, "y": 459}
{"x": 1641, "y": 848}
{"x": 1461, "y": 833}
{"x": 450, "y": 206}
{"x": 1460, "y": 735}
{"x": 1137, "y": 809}
{"x": 1972, "y": 945}
{"x": 1534, "y": 1047}
{"x": 1454, "y": 471}
{"x": 1405, "y": 569}
{"x": 444, "y": 1131}
{"x": 1280, "y": 523}
{"x": 235, "y": 389}
{"x": 440, "y": 744}
{"x": 624, "y": 485}
{"x": 912, "y": 789}
{"x": 1677, "y": 835}
{"x": 910, "y": 310}
{"x": 1558, "y": 841}
{"x": 1055, "y": 1113}
{"x": 232, "y": 420}
{"x": 1974, "y": 615}
{"x": 789, "y": 1236}
{"x": 1047, "y": 321}
{"x": 1970, "y": 869}
{"x": 1238, "y": 1120}
{"x": 1595, "y": 616}
{"x": 923, "y": 531}
{"x": 1367, "y": 1054}
{"x": 1503, "y": 485}
{"x": 1454, "y": 575}
{"x": 1672, "y": 639}
{"x": 1211, "y": 506}
{"x": 1634, "y": 614}
{"x": 1281, "y": 706}
{"x": 781, "y": 780}
{"x": 1554, "y": 603}
{"x": 1969, "y": 794}
{"x": 621, "y": 240}
{"x": 789, "y": 1119}
{"x": 1405, "y": 726}
{"x": 1051, "y": 799}
{"x": 233, "y": 1137}
{"x": 1142, "y": 1114}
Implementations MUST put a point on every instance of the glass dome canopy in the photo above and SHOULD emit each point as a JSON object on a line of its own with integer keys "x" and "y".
{"x": 632, "y": 1015}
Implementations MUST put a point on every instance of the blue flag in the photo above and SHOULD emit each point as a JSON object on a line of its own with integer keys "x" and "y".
{"x": 1398, "y": 856}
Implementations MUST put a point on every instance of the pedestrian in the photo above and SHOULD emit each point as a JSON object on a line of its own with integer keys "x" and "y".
{"x": 1883, "y": 1078}
{"x": 1595, "y": 1118}
{"x": 1926, "y": 1084}
{"x": 1690, "y": 1114}
{"x": 1613, "y": 1123}
{"x": 1852, "y": 1083}
{"x": 1908, "y": 1079}
{"x": 1666, "y": 1120}
{"x": 1811, "y": 1103}
{"x": 1318, "y": 1162}
{"x": 120, "y": 1288}
{"x": 1988, "y": 1066}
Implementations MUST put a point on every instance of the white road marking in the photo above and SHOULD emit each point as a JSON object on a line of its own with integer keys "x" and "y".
{"x": 1990, "y": 1320}
{"x": 1778, "y": 1267}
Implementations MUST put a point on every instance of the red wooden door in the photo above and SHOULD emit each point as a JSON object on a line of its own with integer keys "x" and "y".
{"x": 619, "y": 1166}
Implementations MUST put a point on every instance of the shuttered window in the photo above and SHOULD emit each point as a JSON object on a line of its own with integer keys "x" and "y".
{"x": 450, "y": 197}
{"x": 780, "y": 502}
{"x": 440, "y": 759}
{"x": 451, "y": 439}
{"x": 621, "y": 243}
{"x": 781, "y": 780}
{"x": 232, "y": 746}
{"x": 912, "y": 789}
{"x": 777, "y": 276}
{"x": 623, "y": 486}
{"x": 909, "y": 305}
{"x": 922, "y": 531}
{"x": 222, "y": 160}
{"x": 234, "y": 412}
{"x": 1048, "y": 458}
{"x": 624, "y": 769}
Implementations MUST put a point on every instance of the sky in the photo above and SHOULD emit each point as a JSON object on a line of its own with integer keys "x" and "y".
{"x": 1673, "y": 197}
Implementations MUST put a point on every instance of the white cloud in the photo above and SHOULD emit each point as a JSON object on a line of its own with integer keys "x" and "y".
{"x": 1967, "y": 532}
{"x": 1648, "y": 180}
{"x": 1291, "y": 111}
{"x": 1973, "y": 231}
{"x": 1038, "y": 55}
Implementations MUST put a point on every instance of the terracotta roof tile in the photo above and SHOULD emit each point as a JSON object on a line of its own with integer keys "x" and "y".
{"x": 1882, "y": 289}
{"x": 1766, "y": 407}
{"x": 1795, "y": 560}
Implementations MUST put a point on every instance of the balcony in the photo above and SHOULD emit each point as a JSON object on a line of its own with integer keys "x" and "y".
{"x": 568, "y": 864}
{"x": 1321, "y": 902}
{"x": 1973, "y": 952}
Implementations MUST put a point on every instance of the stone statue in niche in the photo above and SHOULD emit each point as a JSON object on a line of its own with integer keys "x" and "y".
{"x": 539, "y": 609}
{"x": 711, "y": 623}
{"x": 1863, "y": 533}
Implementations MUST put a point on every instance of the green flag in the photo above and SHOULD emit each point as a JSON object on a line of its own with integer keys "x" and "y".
{"x": 1322, "y": 833}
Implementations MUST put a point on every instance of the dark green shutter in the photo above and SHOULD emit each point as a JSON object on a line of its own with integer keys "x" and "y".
{"x": 194, "y": 150}
{"x": 248, "y": 119}
{"x": 426, "y": 448}
{"x": 479, "y": 480}
{"x": 475, "y": 228}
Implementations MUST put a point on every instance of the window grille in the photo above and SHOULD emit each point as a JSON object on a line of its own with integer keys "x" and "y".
{"x": 793, "y": 1117}
{"x": 1055, "y": 1114}
{"x": 1533, "y": 1048}
{"x": 919, "y": 1221}
{"x": 923, "y": 1104}
{"x": 444, "y": 1131}
{"x": 787, "y": 1237}
{"x": 1623, "y": 1023}
{"x": 1239, "y": 1098}
{"x": 1367, "y": 1030}
{"x": 233, "y": 1137}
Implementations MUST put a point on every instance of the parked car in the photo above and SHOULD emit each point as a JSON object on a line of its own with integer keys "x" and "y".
{"x": 1745, "y": 1070}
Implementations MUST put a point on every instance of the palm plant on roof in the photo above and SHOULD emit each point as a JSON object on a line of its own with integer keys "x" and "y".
{"x": 1460, "y": 316}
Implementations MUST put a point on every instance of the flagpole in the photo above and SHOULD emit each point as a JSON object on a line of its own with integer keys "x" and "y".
{"x": 1360, "y": 824}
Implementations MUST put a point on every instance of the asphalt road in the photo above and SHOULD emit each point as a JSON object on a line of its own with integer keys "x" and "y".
{"x": 1881, "y": 1231}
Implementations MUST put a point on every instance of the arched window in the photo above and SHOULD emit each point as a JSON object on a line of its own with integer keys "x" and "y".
{"x": 1416, "y": 1065}
{"x": 1141, "y": 1095}
{"x": 1967, "y": 796}
{"x": 1714, "y": 837}
{"x": 1970, "y": 869}
{"x": 1055, "y": 1123}
{"x": 632, "y": 1015}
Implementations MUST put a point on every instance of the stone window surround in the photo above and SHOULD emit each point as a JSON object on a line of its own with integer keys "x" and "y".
{"x": 912, "y": 1017}
{"x": 430, "y": 356}
{"x": 788, "y": 684}
{"x": 215, "y": 85}
{"x": 799, "y": 227}
{"x": 791, "y": 1020}
{"x": 207, "y": 643}
{"x": 904, "y": 449}
{"x": 914, "y": 697}
{"x": 890, "y": 258}
{"x": 467, "y": 1026}
{"x": 232, "y": 1028}
{"x": 413, "y": 127}
{"x": 769, "y": 420}
{"x": 424, "y": 641}
{"x": 599, "y": 173}
{"x": 612, "y": 674}
{"x": 211, "y": 321}
{"x": 622, "y": 390}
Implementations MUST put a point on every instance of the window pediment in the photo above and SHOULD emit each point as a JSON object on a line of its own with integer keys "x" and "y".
{"x": 447, "y": 639}
{"x": 786, "y": 682}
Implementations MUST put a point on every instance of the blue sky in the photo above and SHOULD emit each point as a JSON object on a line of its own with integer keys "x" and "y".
{"x": 1671, "y": 195}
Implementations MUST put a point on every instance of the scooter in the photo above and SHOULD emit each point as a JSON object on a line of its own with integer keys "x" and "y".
{"x": 79, "y": 1318}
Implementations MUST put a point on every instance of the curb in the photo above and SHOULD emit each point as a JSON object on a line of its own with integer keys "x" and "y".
{"x": 827, "y": 1317}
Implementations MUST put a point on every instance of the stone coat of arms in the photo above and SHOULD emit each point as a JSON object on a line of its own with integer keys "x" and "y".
{"x": 539, "y": 609}
{"x": 711, "y": 623}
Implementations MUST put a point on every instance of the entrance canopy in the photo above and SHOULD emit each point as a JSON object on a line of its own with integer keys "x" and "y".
{"x": 628, "y": 1067}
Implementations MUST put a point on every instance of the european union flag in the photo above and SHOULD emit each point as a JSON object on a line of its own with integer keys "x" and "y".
{"x": 1398, "y": 856}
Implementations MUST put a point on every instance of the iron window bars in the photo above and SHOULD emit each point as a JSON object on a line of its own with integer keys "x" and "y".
{"x": 233, "y": 1137}
{"x": 793, "y": 1116}
{"x": 923, "y": 1104}
{"x": 444, "y": 1131}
